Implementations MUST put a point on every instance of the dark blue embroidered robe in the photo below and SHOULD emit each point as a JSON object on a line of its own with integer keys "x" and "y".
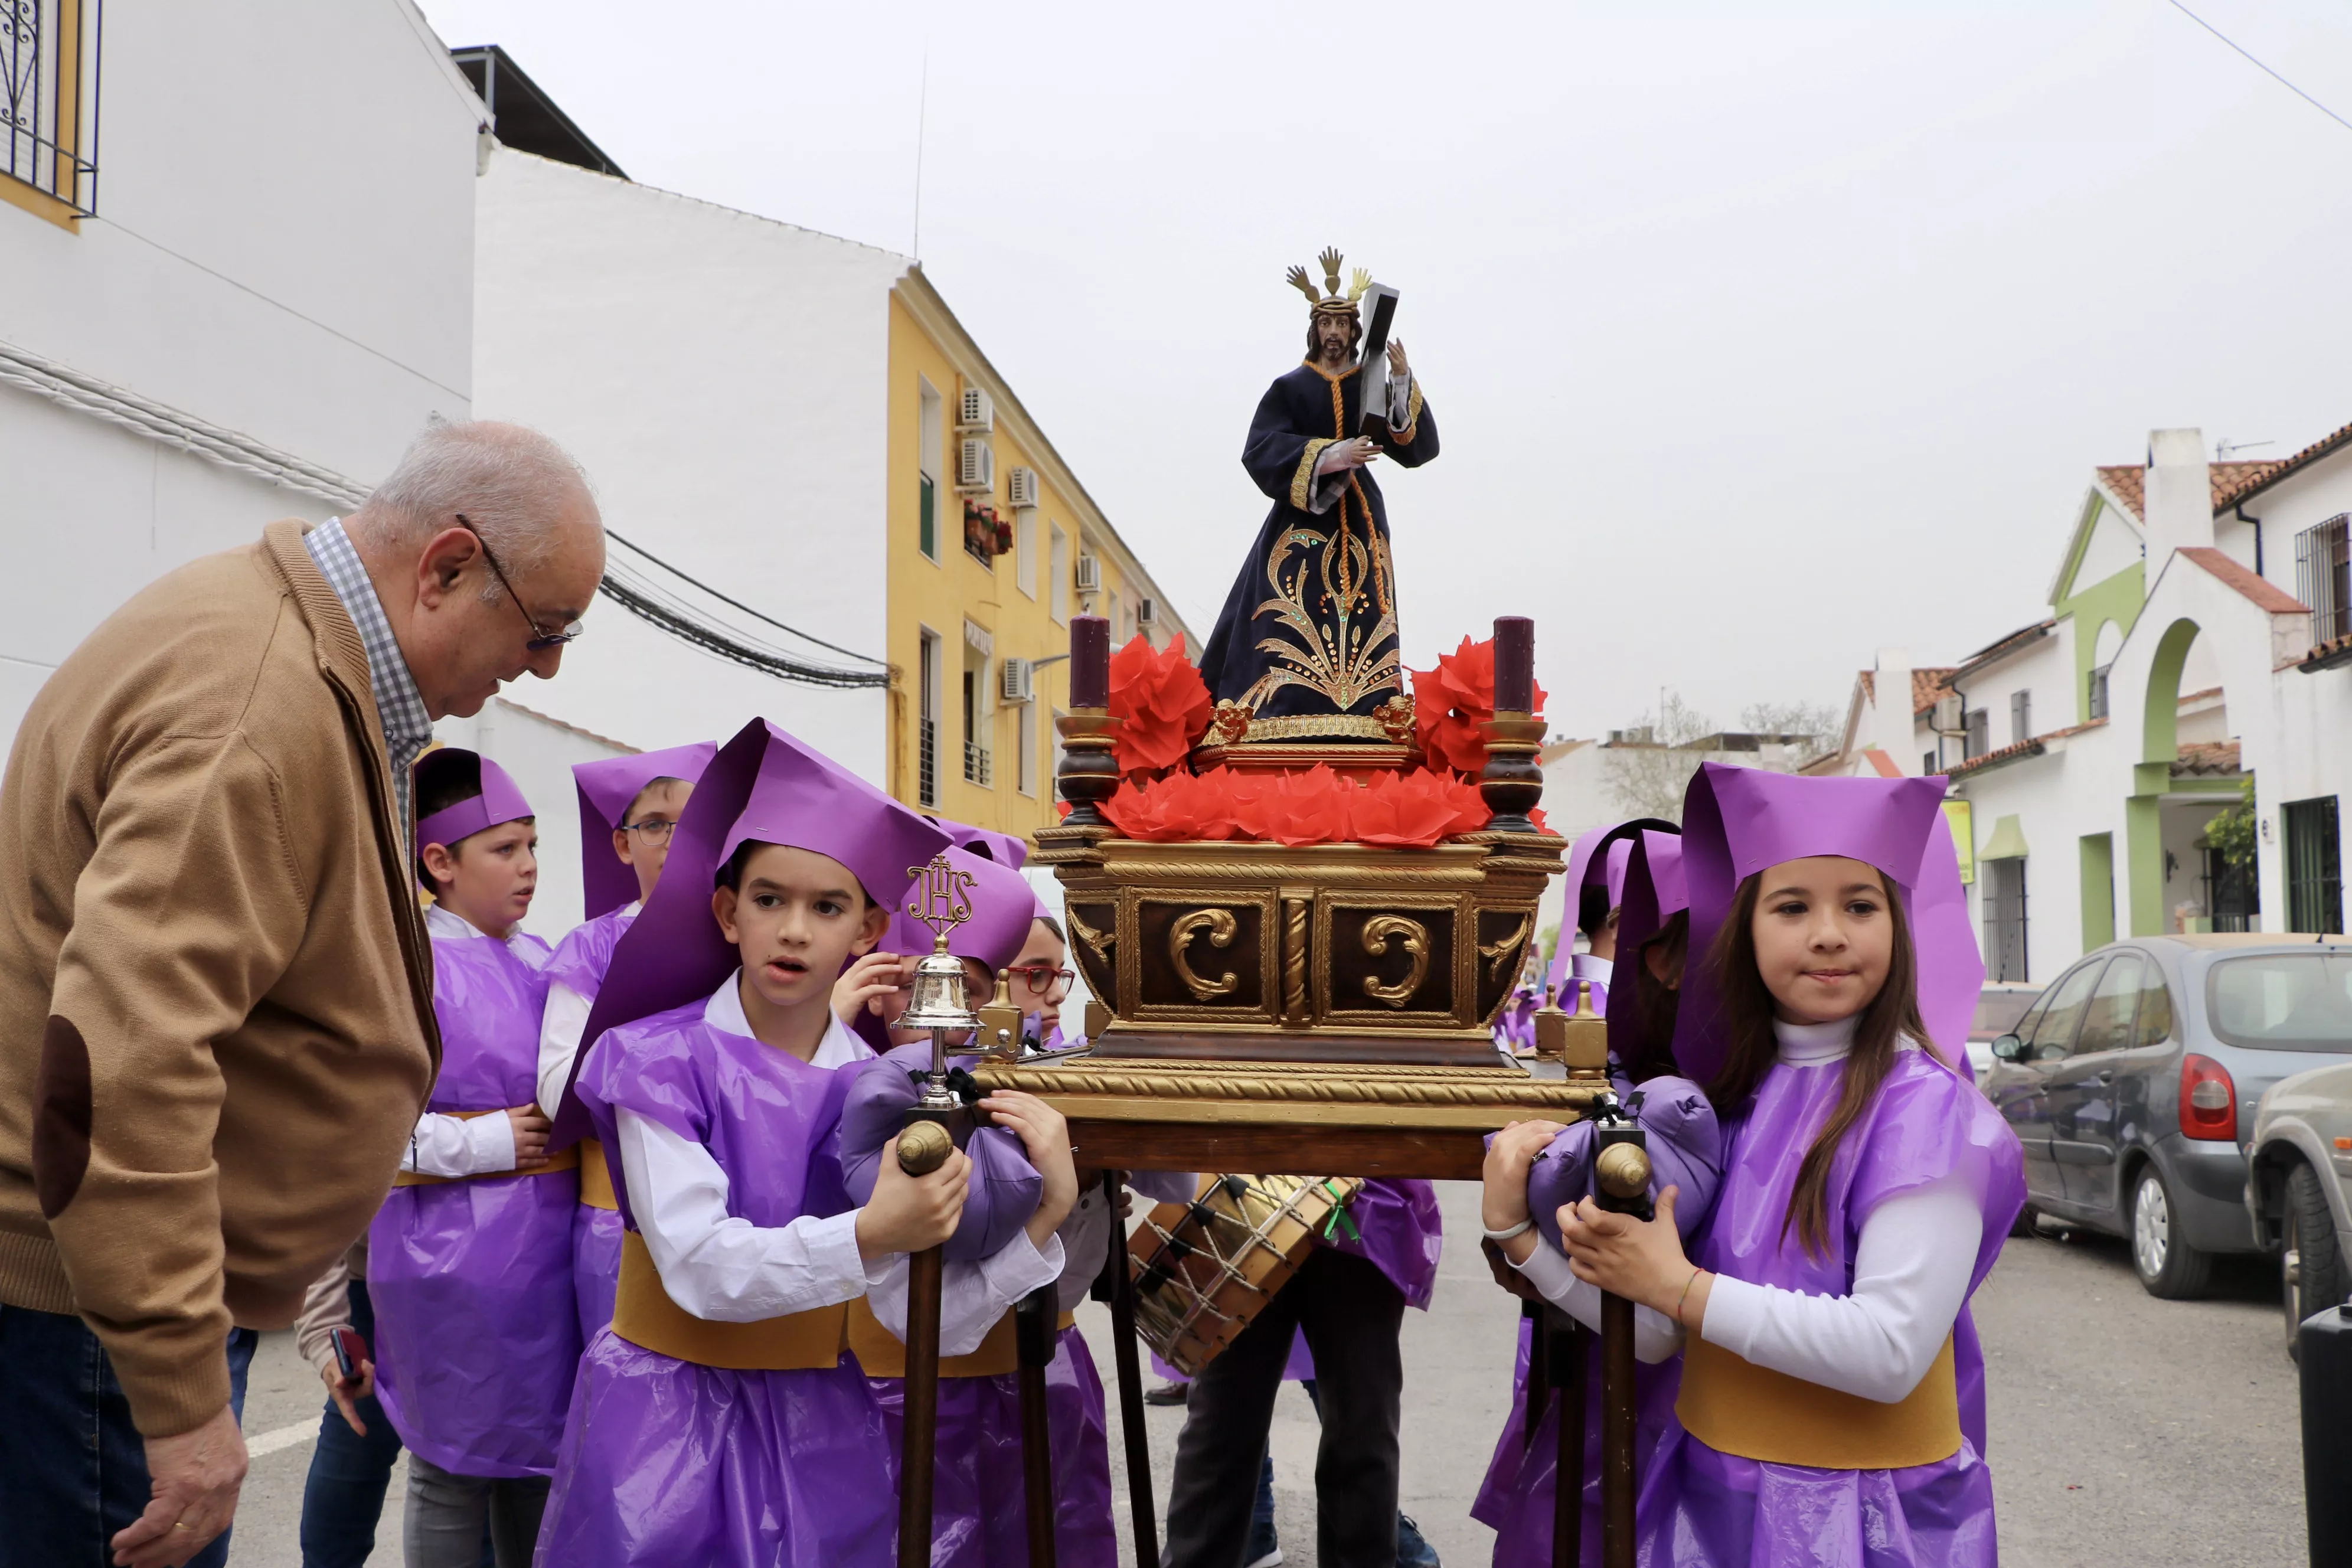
{"x": 1307, "y": 638}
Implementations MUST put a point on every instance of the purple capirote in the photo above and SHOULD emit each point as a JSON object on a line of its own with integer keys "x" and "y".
{"x": 475, "y": 1334}
{"x": 980, "y": 1515}
{"x": 1595, "y": 857}
{"x": 764, "y": 786}
{"x": 500, "y": 799}
{"x": 1655, "y": 893}
{"x": 1003, "y": 1189}
{"x": 579, "y": 965}
{"x": 1002, "y": 906}
{"x": 1928, "y": 1124}
{"x": 606, "y": 786}
{"x": 1005, "y": 848}
{"x": 666, "y": 1461}
{"x": 1686, "y": 1150}
{"x": 1737, "y": 822}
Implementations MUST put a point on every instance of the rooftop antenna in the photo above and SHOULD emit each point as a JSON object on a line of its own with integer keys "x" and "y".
{"x": 2223, "y": 448}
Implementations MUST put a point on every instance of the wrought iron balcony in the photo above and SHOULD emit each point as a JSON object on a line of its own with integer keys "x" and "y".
{"x": 48, "y": 115}
{"x": 978, "y": 765}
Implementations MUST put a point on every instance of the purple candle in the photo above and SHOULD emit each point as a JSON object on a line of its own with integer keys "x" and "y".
{"x": 1514, "y": 664}
{"x": 1089, "y": 661}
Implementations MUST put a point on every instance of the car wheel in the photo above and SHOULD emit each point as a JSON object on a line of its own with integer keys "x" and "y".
{"x": 2169, "y": 1267}
{"x": 2311, "y": 1272}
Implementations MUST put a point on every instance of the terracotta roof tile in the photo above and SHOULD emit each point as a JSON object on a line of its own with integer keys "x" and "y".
{"x": 2207, "y": 757}
{"x": 2250, "y": 485}
{"x": 2128, "y": 482}
{"x": 2265, "y": 594}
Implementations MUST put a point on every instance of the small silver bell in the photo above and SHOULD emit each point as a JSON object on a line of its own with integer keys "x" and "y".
{"x": 938, "y": 1001}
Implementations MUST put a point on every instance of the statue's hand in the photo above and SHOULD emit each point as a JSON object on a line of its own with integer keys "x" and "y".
{"x": 1342, "y": 456}
{"x": 1397, "y": 365}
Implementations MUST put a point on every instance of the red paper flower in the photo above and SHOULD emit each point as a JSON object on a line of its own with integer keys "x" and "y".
{"x": 1450, "y": 702}
{"x": 1308, "y": 807}
{"x": 1162, "y": 702}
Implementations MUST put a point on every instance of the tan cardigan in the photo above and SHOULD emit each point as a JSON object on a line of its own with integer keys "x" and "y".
{"x": 215, "y": 992}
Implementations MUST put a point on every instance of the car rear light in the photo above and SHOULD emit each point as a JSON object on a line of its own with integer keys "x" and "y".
{"x": 2209, "y": 1100}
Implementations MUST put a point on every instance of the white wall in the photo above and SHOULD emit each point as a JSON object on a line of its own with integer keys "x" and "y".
{"x": 724, "y": 380}
{"x": 539, "y": 754}
{"x": 2114, "y": 545}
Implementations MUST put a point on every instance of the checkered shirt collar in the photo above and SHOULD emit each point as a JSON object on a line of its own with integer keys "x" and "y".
{"x": 407, "y": 727}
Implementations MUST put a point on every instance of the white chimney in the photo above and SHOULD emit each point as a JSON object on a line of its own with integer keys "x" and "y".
{"x": 1891, "y": 730}
{"x": 2179, "y": 495}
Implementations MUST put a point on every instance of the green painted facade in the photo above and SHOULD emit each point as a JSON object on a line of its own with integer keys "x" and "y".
{"x": 2098, "y": 863}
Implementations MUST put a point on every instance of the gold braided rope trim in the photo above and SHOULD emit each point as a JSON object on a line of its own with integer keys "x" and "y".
{"x": 1357, "y": 726}
{"x": 1307, "y": 1083}
{"x": 1302, "y": 483}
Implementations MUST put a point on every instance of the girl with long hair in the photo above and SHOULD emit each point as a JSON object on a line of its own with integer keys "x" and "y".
{"x": 1832, "y": 1406}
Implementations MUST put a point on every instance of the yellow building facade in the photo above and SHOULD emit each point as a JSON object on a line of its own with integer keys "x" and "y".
{"x": 993, "y": 546}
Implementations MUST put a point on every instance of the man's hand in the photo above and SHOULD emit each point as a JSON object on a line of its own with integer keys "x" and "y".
{"x": 1397, "y": 365}
{"x": 1342, "y": 456}
{"x": 532, "y": 1127}
{"x": 347, "y": 1395}
{"x": 1046, "y": 1137}
{"x": 196, "y": 1478}
{"x": 911, "y": 1214}
{"x": 864, "y": 984}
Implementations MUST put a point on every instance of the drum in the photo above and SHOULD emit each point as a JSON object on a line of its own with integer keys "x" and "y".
{"x": 1203, "y": 1269}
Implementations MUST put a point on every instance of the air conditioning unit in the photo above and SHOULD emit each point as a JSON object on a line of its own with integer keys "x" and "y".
{"x": 1147, "y": 612}
{"x": 1948, "y": 720}
{"x": 1023, "y": 487}
{"x": 975, "y": 465}
{"x": 976, "y": 412}
{"x": 1089, "y": 574}
{"x": 1019, "y": 681}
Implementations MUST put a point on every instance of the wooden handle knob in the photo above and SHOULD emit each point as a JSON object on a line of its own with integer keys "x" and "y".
{"x": 923, "y": 1147}
{"x": 1624, "y": 1171}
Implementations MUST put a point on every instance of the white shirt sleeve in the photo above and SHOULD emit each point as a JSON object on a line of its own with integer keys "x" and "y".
{"x": 1911, "y": 1270}
{"x": 1399, "y": 402}
{"x": 561, "y": 1026}
{"x": 972, "y": 1295}
{"x": 715, "y": 1265}
{"x": 454, "y": 1146}
{"x": 1656, "y": 1337}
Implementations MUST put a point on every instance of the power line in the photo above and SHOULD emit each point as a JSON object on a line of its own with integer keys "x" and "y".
{"x": 737, "y": 604}
{"x": 2267, "y": 70}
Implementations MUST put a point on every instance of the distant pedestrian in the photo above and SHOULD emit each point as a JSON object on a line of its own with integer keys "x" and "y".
{"x": 215, "y": 990}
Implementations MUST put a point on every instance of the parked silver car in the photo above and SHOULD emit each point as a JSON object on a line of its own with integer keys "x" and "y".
{"x": 2132, "y": 1084}
{"x": 2299, "y": 1158}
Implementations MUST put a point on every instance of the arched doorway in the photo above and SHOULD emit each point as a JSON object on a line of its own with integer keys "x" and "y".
{"x": 2186, "y": 772}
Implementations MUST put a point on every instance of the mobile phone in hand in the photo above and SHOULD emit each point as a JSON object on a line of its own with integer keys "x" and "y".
{"x": 350, "y": 1353}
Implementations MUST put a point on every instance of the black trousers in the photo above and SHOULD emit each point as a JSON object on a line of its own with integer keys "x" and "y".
{"x": 1350, "y": 1315}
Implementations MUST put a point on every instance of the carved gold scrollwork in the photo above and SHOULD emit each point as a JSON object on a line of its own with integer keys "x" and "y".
{"x": 1099, "y": 940}
{"x": 1221, "y": 925}
{"x": 1294, "y": 975}
{"x": 1498, "y": 952}
{"x": 1377, "y": 933}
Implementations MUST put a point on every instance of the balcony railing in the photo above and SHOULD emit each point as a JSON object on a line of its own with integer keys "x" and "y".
{"x": 927, "y": 787}
{"x": 49, "y": 105}
{"x": 2323, "y": 569}
{"x": 978, "y": 765}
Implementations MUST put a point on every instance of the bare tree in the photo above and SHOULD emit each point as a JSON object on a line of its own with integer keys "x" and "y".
{"x": 1648, "y": 778}
{"x": 1814, "y": 725}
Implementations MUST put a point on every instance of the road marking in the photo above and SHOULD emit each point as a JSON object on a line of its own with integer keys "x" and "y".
{"x": 285, "y": 1438}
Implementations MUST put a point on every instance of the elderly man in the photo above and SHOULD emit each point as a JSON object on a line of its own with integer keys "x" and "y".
{"x": 216, "y": 995}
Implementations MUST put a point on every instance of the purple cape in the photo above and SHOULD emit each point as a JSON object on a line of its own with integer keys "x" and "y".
{"x": 668, "y": 1462}
{"x": 475, "y": 1334}
{"x": 579, "y": 965}
{"x": 1398, "y": 1228}
{"x": 1927, "y": 1124}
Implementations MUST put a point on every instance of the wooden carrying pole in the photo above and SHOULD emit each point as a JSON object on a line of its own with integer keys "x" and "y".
{"x": 920, "y": 1154}
{"x": 1131, "y": 1384}
{"x": 1034, "y": 1324}
{"x": 1567, "y": 1351}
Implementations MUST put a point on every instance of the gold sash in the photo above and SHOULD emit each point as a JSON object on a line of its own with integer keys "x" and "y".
{"x": 596, "y": 1176}
{"x": 1735, "y": 1407}
{"x": 568, "y": 1160}
{"x": 881, "y": 1353}
{"x": 644, "y": 1315}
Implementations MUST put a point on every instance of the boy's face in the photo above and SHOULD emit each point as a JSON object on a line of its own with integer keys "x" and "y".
{"x": 486, "y": 878}
{"x": 797, "y": 918}
{"x": 979, "y": 985}
{"x": 644, "y": 839}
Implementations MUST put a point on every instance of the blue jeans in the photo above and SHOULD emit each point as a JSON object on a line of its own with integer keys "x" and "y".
{"x": 344, "y": 1497}
{"x": 73, "y": 1470}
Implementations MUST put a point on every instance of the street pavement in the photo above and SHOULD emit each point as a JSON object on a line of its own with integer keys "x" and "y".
{"x": 2124, "y": 1429}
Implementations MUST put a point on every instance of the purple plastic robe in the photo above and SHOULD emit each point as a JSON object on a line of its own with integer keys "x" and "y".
{"x": 1686, "y": 1149}
{"x": 1928, "y": 1124}
{"x": 579, "y": 964}
{"x": 1003, "y": 1189}
{"x": 476, "y": 1336}
{"x": 980, "y": 1516}
{"x": 1400, "y": 1230}
{"x": 668, "y": 1462}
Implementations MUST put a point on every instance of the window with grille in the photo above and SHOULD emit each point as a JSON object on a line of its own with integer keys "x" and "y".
{"x": 2314, "y": 867}
{"x": 2099, "y": 692}
{"x": 928, "y": 695}
{"x": 2323, "y": 570}
{"x": 2232, "y": 895}
{"x": 48, "y": 72}
{"x": 2004, "y": 919}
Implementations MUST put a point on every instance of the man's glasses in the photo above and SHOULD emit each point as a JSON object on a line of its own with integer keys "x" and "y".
{"x": 540, "y": 638}
{"x": 656, "y": 832}
{"x": 1043, "y": 981}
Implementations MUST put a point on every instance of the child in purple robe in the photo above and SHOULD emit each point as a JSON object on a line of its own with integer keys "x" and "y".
{"x": 469, "y": 1265}
{"x": 1832, "y": 1407}
{"x": 1596, "y": 895}
{"x": 629, "y": 809}
{"x": 718, "y": 1418}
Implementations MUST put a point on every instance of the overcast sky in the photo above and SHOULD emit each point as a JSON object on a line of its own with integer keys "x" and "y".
{"x": 1759, "y": 336}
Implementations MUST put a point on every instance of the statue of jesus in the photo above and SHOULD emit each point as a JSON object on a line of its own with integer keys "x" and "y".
{"x": 1306, "y": 648}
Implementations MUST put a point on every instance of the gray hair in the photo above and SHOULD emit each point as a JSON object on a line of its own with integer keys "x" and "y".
{"x": 511, "y": 482}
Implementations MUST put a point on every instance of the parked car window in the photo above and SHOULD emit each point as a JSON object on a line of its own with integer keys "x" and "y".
{"x": 2107, "y": 1020}
{"x": 2155, "y": 1025}
{"x": 2055, "y": 1035}
{"x": 2283, "y": 1001}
